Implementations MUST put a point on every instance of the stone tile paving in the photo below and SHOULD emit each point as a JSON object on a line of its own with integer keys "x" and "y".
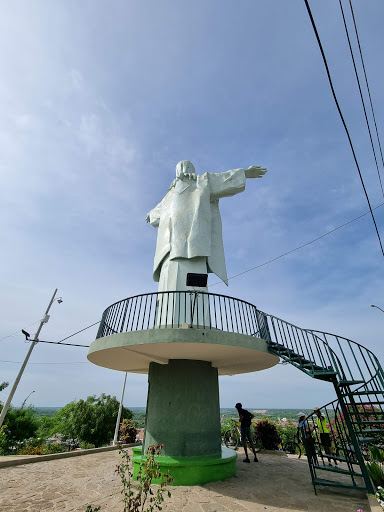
{"x": 274, "y": 484}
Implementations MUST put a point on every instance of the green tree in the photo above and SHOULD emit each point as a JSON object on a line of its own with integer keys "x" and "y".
{"x": 63, "y": 422}
{"x": 92, "y": 420}
{"x": 19, "y": 425}
{"x": 4, "y": 385}
{"x": 47, "y": 427}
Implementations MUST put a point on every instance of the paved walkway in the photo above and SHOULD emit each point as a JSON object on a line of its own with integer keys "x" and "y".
{"x": 274, "y": 484}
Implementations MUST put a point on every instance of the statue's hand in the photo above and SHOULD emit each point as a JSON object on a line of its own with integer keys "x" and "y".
{"x": 148, "y": 218}
{"x": 255, "y": 171}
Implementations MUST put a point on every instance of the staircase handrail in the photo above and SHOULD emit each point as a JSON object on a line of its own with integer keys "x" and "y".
{"x": 285, "y": 332}
{"x": 379, "y": 370}
{"x": 303, "y": 347}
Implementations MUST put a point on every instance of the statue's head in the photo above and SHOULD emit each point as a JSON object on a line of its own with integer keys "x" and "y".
{"x": 185, "y": 168}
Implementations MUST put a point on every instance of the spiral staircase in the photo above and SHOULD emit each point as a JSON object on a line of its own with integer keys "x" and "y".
{"x": 355, "y": 418}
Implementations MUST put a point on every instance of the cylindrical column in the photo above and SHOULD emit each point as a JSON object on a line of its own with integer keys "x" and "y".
{"x": 183, "y": 409}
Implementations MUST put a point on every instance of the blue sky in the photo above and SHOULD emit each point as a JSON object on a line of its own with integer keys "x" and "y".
{"x": 100, "y": 100}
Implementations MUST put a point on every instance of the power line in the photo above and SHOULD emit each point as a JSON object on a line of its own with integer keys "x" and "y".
{"x": 342, "y": 119}
{"x": 366, "y": 81}
{"x": 19, "y": 331}
{"x": 299, "y": 247}
{"x": 85, "y": 328}
{"x": 69, "y": 362}
{"x": 59, "y": 343}
{"x": 361, "y": 95}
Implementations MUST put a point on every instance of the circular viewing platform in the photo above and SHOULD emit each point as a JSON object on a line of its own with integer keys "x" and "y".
{"x": 157, "y": 327}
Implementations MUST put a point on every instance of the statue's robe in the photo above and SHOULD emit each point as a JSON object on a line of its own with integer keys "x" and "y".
{"x": 189, "y": 220}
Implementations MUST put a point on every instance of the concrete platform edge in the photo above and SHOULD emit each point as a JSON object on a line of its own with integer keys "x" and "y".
{"x": 373, "y": 504}
{"x": 64, "y": 455}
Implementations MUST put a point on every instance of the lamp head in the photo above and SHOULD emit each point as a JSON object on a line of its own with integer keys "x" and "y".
{"x": 26, "y": 334}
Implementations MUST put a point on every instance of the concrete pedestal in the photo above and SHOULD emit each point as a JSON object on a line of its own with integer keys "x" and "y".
{"x": 192, "y": 470}
{"x": 183, "y": 413}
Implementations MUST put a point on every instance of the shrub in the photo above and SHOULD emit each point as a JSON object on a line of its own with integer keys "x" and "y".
{"x": 287, "y": 432}
{"x": 55, "y": 448}
{"x": 128, "y": 432}
{"x": 269, "y": 436}
{"x": 87, "y": 446}
{"x": 375, "y": 466}
{"x": 32, "y": 448}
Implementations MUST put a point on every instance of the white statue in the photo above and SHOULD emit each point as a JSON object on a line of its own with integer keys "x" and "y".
{"x": 189, "y": 222}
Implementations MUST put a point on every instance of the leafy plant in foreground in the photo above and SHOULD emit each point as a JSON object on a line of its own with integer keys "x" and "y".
{"x": 141, "y": 497}
{"x": 375, "y": 466}
{"x": 135, "y": 500}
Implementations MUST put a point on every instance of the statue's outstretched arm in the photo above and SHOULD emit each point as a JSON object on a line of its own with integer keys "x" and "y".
{"x": 255, "y": 171}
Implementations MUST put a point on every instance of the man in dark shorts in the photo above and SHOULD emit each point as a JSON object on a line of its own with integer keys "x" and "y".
{"x": 245, "y": 429}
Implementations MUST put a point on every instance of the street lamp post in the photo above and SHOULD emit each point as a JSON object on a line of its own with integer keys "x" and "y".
{"x": 34, "y": 342}
{"x": 119, "y": 413}
{"x": 25, "y": 401}
{"x": 373, "y": 306}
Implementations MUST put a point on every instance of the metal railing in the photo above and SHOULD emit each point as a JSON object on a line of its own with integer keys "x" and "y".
{"x": 349, "y": 360}
{"x": 175, "y": 309}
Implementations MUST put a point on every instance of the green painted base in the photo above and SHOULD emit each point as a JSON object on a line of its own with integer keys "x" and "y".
{"x": 192, "y": 470}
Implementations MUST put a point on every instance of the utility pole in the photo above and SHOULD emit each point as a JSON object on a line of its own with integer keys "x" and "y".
{"x": 119, "y": 413}
{"x": 33, "y": 343}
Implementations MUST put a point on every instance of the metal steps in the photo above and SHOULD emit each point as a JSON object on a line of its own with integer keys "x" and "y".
{"x": 369, "y": 404}
{"x": 333, "y": 457}
{"x": 365, "y": 439}
{"x": 343, "y": 383}
{"x": 332, "y": 483}
{"x": 360, "y": 393}
{"x": 337, "y": 470}
{"x": 318, "y": 372}
{"x": 327, "y": 376}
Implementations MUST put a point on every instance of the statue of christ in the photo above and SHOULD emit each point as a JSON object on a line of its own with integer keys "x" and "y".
{"x": 189, "y": 223}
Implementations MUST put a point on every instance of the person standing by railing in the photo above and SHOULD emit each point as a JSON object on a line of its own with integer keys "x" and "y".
{"x": 325, "y": 438}
{"x": 306, "y": 436}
